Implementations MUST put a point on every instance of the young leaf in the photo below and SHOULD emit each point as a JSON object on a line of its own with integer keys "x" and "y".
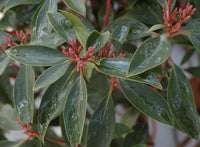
{"x": 97, "y": 40}
{"x": 181, "y": 102}
{"x": 78, "y": 6}
{"x": 151, "y": 53}
{"x": 8, "y": 118}
{"x": 23, "y": 94}
{"x": 118, "y": 67}
{"x": 81, "y": 31}
{"x": 54, "y": 100}
{"x": 147, "y": 100}
{"x": 75, "y": 111}
{"x": 36, "y": 55}
{"x": 51, "y": 75}
{"x": 61, "y": 25}
{"x": 102, "y": 125}
{"x": 12, "y": 3}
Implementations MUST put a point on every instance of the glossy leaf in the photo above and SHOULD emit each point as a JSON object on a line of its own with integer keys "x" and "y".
{"x": 181, "y": 102}
{"x": 12, "y": 3}
{"x": 23, "y": 94}
{"x": 51, "y": 75}
{"x": 120, "y": 33}
{"x": 147, "y": 100}
{"x": 54, "y": 100}
{"x": 36, "y": 55}
{"x": 140, "y": 135}
{"x": 78, "y": 6}
{"x": 8, "y": 118}
{"x": 42, "y": 25}
{"x": 61, "y": 25}
{"x": 102, "y": 125}
{"x": 75, "y": 112}
{"x": 81, "y": 31}
{"x": 187, "y": 56}
{"x": 194, "y": 33}
{"x": 149, "y": 54}
{"x": 56, "y": 40}
{"x": 4, "y": 61}
{"x": 137, "y": 29}
{"x": 118, "y": 67}
{"x": 97, "y": 40}
{"x": 120, "y": 130}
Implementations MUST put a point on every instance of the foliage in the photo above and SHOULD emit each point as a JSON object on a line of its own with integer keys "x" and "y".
{"x": 81, "y": 59}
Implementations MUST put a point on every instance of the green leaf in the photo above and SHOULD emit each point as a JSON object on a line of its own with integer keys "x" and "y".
{"x": 61, "y": 25}
{"x": 156, "y": 27}
{"x": 36, "y": 55}
{"x": 76, "y": 5}
{"x": 12, "y": 3}
{"x": 41, "y": 26}
{"x": 118, "y": 67}
{"x": 140, "y": 135}
{"x": 194, "y": 33}
{"x": 120, "y": 33}
{"x": 84, "y": 136}
{"x": 56, "y": 40}
{"x": 137, "y": 29}
{"x": 75, "y": 112}
{"x": 5, "y": 143}
{"x": 147, "y": 100}
{"x": 97, "y": 40}
{"x": 64, "y": 134}
{"x": 102, "y": 125}
{"x": 8, "y": 118}
{"x": 195, "y": 71}
{"x": 197, "y": 6}
{"x": 187, "y": 56}
{"x": 151, "y": 53}
{"x": 5, "y": 89}
{"x": 81, "y": 31}
{"x": 51, "y": 75}
{"x": 120, "y": 130}
{"x": 54, "y": 100}
{"x": 129, "y": 117}
{"x": 23, "y": 94}
{"x": 4, "y": 61}
{"x": 181, "y": 102}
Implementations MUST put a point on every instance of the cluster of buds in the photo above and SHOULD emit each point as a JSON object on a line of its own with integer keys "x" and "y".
{"x": 174, "y": 20}
{"x": 74, "y": 52}
{"x": 22, "y": 36}
{"x": 106, "y": 52}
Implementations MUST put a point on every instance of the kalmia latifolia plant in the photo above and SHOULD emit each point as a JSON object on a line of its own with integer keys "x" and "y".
{"x": 84, "y": 58}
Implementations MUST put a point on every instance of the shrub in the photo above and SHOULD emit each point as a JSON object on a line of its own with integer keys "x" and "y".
{"x": 91, "y": 62}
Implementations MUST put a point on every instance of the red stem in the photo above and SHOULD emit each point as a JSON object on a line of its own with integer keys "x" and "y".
{"x": 15, "y": 66}
{"x": 55, "y": 140}
{"x": 107, "y": 13}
